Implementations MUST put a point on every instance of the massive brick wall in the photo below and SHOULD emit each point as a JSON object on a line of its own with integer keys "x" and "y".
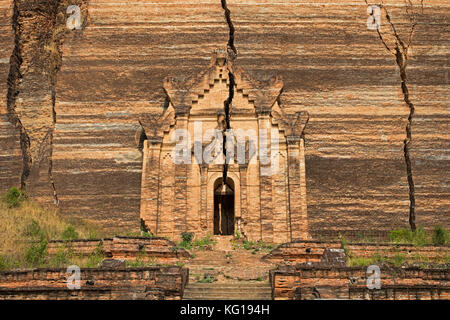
{"x": 334, "y": 67}
{"x": 152, "y": 283}
{"x": 340, "y": 72}
{"x": 303, "y": 282}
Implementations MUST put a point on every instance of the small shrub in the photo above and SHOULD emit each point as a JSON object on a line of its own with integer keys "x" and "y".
{"x": 35, "y": 255}
{"x": 344, "y": 246}
{"x": 14, "y": 197}
{"x": 69, "y": 234}
{"x": 440, "y": 235}
{"x": 147, "y": 234}
{"x": 187, "y": 237}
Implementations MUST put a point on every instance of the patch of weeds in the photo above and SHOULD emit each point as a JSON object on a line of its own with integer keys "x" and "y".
{"x": 184, "y": 245}
{"x": 259, "y": 279}
{"x": 135, "y": 263}
{"x": 69, "y": 234}
{"x": 254, "y": 246}
{"x": 447, "y": 259}
{"x": 147, "y": 234}
{"x": 344, "y": 246}
{"x": 377, "y": 258}
{"x": 440, "y": 235}
{"x": 187, "y": 237}
{"x": 208, "y": 240}
{"x": 207, "y": 278}
{"x": 32, "y": 230}
{"x": 5, "y": 263}
{"x": 96, "y": 257}
{"x": 92, "y": 235}
{"x": 14, "y": 197}
{"x": 418, "y": 237}
{"x": 238, "y": 235}
{"x": 36, "y": 254}
{"x": 359, "y": 261}
{"x": 62, "y": 257}
{"x": 186, "y": 240}
{"x": 398, "y": 260}
{"x": 179, "y": 264}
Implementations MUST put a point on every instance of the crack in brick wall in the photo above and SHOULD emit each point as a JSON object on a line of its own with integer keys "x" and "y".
{"x": 400, "y": 52}
{"x": 14, "y": 78}
{"x": 39, "y": 32}
{"x": 232, "y": 54}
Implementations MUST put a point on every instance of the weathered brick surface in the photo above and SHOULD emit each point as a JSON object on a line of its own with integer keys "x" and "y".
{"x": 129, "y": 248}
{"x": 332, "y": 66}
{"x": 303, "y": 282}
{"x": 151, "y": 283}
{"x": 312, "y": 251}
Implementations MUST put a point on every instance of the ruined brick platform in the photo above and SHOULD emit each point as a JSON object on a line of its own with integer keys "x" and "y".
{"x": 150, "y": 283}
{"x": 322, "y": 282}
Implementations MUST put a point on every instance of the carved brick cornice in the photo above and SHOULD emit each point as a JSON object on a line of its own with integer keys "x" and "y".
{"x": 293, "y": 125}
{"x": 155, "y": 125}
{"x": 263, "y": 94}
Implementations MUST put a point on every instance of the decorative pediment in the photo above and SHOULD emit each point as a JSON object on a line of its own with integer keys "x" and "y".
{"x": 210, "y": 88}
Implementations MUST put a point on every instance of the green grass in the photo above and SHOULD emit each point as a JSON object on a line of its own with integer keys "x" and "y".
{"x": 420, "y": 237}
{"x": 190, "y": 243}
{"x": 207, "y": 278}
{"x": 253, "y": 246}
{"x": 26, "y": 230}
{"x": 440, "y": 235}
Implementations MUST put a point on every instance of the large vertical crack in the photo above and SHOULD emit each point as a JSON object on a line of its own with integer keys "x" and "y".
{"x": 39, "y": 29}
{"x": 400, "y": 52}
{"x": 231, "y": 54}
{"x": 14, "y": 78}
{"x": 227, "y": 11}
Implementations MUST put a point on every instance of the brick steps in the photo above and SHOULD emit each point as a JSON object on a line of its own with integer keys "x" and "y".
{"x": 228, "y": 291}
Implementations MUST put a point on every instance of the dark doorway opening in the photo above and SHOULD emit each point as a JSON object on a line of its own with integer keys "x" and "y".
{"x": 224, "y": 208}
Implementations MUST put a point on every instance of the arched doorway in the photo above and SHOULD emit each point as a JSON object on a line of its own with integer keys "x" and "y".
{"x": 224, "y": 207}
